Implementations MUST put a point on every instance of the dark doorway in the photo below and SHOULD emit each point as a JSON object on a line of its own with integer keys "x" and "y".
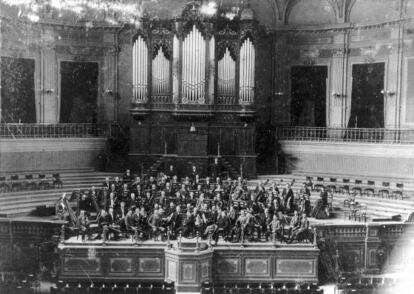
{"x": 367, "y": 105}
{"x": 308, "y": 93}
{"x": 17, "y": 90}
{"x": 79, "y": 92}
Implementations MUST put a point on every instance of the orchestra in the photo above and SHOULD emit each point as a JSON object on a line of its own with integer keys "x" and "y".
{"x": 156, "y": 206}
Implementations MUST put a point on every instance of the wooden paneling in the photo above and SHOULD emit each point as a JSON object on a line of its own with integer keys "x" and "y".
{"x": 370, "y": 160}
{"x": 49, "y": 154}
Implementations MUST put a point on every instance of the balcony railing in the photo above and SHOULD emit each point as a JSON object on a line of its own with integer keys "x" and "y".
{"x": 365, "y": 135}
{"x": 54, "y": 130}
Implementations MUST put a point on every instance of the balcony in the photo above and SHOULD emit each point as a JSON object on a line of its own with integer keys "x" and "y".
{"x": 363, "y": 135}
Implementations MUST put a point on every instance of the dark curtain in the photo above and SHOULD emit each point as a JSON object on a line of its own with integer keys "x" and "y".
{"x": 17, "y": 90}
{"x": 79, "y": 88}
{"x": 308, "y": 94}
{"x": 367, "y": 105}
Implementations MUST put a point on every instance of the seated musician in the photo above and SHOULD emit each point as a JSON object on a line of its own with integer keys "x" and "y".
{"x": 168, "y": 190}
{"x": 223, "y": 226}
{"x": 84, "y": 203}
{"x": 295, "y": 224}
{"x": 102, "y": 222}
{"x": 106, "y": 183}
{"x": 118, "y": 184}
{"x": 121, "y": 213}
{"x": 127, "y": 178}
{"x": 253, "y": 226}
{"x": 303, "y": 232}
{"x": 130, "y": 217}
{"x": 194, "y": 173}
{"x": 321, "y": 209}
{"x": 240, "y": 228}
{"x": 174, "y": 221}
{"x": 170, "y": 173}
{"x": 188, "y": 226}
{"x": 125, "y": 193}
{"x": 113, "y": 225}
{"x": 143, "y": 225}
{"x": 215, "y": 169}
{"x": 276, "y": 227}
{"x": 199, "y": 220}
{"x": 62, "y": 209}
{"x": 266, "y": 223}
{"x": 137, "y": 182}
{"x": 83, "y": 224}
{"x": 282, "y": 222}
{"x": 155, "y": 222}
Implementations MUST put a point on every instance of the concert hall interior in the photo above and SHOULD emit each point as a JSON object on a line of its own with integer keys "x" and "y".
{"x": 206, "y": 146}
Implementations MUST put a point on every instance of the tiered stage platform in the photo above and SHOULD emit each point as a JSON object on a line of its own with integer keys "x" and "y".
{"x": 188, "y": 262}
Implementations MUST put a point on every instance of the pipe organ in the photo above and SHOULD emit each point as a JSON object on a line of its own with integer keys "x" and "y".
{"x": 194, "y": 61}
{"x": 140, "y": 70}
{"x": 194, "y": 67}
{"x": 160, "y": 76}
{"x": 193, "y": 89}
{"x": 247, "y": 66}
{"x": 226, "y": 76}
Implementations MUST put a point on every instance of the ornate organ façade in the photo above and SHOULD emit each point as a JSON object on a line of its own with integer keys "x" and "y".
{"x": 194, "y": 61}
{"x": 194, "y": 71}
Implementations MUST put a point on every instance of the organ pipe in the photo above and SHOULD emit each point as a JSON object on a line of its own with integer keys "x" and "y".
{"x": 160, "y": 74}
{"x": 194, "y": 65}
{"x": 247, "y": 66}
{"x": 226, "y": 83}
{"x": 140, "y": 70}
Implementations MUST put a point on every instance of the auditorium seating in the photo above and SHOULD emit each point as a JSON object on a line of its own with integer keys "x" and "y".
{"x": 370, "y": 208}
{"x": 18, "y": 203}
{"x": 115, "y": 288}
{"x": 259, "y": 288}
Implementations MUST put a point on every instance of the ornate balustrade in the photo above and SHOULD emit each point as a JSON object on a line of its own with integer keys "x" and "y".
{"x": 9, "y": 130}
{"x": 366, "y": 135}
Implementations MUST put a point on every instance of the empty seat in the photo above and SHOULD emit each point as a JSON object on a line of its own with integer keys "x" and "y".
{"x": 30, "y": 184}
{"x": 43, "y": 182}
{"x": 4, "y": 186}
{"x": 16, "y": 185}
{"x": 344, "y": 188}
{"x": 357, "y": 188}
{"x": 369, "y": 190}
{"x": 57, "y": 182}
{"x": 384, "y": 191}
{"x": 398, "y": 191}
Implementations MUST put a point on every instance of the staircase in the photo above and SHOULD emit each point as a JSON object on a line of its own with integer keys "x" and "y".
{"x": 154, "y": 168}
{"x": 13, "y": 204}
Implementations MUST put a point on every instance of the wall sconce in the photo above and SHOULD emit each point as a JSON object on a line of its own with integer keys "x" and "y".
{"x": 48, "y": 91}
{"x": 387, "y": 93}
{"x": 109, "y": 92}
{"x": 192, "y": 128}
{"x": 338, "y": 95}
{"x": 279, "y": 93}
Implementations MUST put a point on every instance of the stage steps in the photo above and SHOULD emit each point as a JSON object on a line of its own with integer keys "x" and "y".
{"x": 377, "y": 207}
{"x": 13, "y": 204}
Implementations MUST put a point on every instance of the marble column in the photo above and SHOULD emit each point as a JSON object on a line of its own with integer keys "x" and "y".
{"x": 108, "y": 87}
{"x": 49, "y": 102}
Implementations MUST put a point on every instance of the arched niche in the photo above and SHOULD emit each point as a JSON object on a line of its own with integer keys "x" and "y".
{"x": 311, "y": 12}
{"x": 372, "y": 11}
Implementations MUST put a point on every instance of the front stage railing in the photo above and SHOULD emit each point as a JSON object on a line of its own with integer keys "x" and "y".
{"x": 11, "y": 130}
{"x": 364, "y": 135}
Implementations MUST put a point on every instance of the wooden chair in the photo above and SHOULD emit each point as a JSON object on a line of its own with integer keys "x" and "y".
{"x": 344, "y": 189}
{"x": 16, "y": 185}
{"x": 357, "y": 187}
{"x": 369, "y": 190}
{"x": 43, "y": 182}
{"x": 319, "y": 184}
{"x": 30, "y": 184}
{"x": 332, "y": 185}
{"x": 57, "y": 182}
{"x": 384, "y": 191}
{"x": 4, "y": 186}
{"x": 398, "y": 191}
